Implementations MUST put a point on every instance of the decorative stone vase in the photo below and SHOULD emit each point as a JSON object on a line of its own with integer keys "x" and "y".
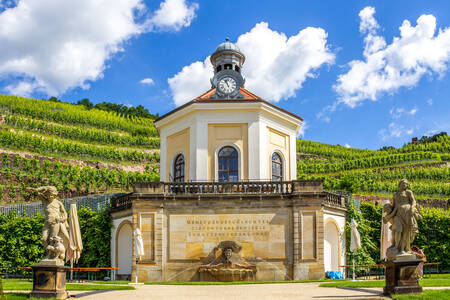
{"x": 49, "y": 281}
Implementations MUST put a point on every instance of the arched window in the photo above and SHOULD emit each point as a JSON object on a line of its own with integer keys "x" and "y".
{"x": 178, "y": 168}
{"x": 277, "y": 167}
{"x": 228, "y": 164}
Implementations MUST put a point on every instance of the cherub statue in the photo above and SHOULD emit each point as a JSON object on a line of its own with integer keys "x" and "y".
{"x": 55, "y": 228}
{"x": 56, "y": 248}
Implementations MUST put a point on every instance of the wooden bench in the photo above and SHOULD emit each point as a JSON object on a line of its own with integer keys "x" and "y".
{"x": 380, "y": 269}
{"x": 4, "y": 270}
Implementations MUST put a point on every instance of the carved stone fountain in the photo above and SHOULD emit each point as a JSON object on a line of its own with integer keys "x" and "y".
{"x": 225, "y": 263}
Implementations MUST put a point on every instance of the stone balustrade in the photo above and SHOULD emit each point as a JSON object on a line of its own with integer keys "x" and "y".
{"x": 229, "y": 188}
{"x": 241, "y": 187}
{"x": 334, "y": 200}
{"x": 121, "y": 202}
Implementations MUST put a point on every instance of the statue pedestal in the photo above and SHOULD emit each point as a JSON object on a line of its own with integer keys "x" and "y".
{"x": 401, "y": 277}
{"x": 49, "y": 281}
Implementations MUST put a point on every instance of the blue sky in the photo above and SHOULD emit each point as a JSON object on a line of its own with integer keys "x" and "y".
{"x": 335, "y": 63}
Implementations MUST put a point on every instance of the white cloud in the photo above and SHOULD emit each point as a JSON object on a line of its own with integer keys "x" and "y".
{"x": 57, "y": 45}
{"x": 172, "y": 15}
{"x": 191, "y": 81}
{"x": 301, "y": 131}
{"x": 398, "y": 112}
{"x": 347, "y": 146}
{"x": 53, "y": 45}
{"x": 413, "y": 111}
{"x": 22, "y": 88}
{"x": 395, "y": 130}
{"x": 430, "y": 101}
{"x": 147, "y": 81}
{"x": 386, "y": 68}
{"x": 275, "y": 68}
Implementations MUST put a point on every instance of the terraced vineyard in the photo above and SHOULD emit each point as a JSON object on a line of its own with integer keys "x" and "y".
{"x": 84, "y": 150}
{"x": 377, "y": 172}
{"x": 78, "y": 150}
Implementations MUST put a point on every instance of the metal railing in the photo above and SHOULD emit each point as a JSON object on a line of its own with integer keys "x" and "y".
{"x": 163, "y": 189}
{"x": 263, "y": 187}
{"x": 121, "y": 202}
{"x": 240, "y": 187}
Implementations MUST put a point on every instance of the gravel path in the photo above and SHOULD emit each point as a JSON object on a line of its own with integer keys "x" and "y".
{"x": 230, "y": 292}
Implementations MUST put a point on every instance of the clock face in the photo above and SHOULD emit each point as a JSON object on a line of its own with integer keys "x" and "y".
{"x": 227, "y": 85}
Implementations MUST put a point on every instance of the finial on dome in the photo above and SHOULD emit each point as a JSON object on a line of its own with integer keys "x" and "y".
{"x": 227, "y": 39}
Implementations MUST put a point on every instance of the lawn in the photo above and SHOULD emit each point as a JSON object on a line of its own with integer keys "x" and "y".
{"x": 112, "y": 282}
{"x": 23, "y": 297}
{"x": 434, "y": 280}
{"x": 27, "y": 285}
{"x": 426, "y": 295}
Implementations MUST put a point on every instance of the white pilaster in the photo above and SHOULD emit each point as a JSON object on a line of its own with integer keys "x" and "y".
{"x": 263, "y": 161}
{"x": 293, "y": 158}
{"x": 201, "y": 151}
{"x": 254, "y": 153}
{"x": 162, "y": 156}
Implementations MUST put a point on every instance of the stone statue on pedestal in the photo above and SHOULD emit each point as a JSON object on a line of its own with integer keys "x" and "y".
{"x": 49, "y": 274}
{"x": 402, "y": 264}
{"x": 403, "y": 214}
{"x": 55, "y": 235}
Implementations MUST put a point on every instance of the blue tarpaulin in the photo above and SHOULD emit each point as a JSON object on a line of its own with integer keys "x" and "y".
{"x": 335, "y": 275}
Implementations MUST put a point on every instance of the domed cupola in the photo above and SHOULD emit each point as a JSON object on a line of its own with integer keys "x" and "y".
{"x": 227, "y": 61}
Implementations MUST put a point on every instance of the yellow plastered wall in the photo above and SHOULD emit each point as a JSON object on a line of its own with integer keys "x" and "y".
{"x": 278, "y": 142}
{"x": 228, "y": 134}
{"x": 176, "y": 143}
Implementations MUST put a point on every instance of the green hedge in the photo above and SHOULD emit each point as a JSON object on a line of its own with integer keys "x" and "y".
{"x": 20, "y": 243}
{"x": 433, "y": 237}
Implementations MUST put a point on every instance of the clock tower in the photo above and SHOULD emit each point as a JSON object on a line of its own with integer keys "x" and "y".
{"x": 227, "y": 61}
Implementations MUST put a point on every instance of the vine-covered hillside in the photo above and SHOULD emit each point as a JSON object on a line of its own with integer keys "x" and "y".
{"x": 78, "y": 148}
{"x": 84, "y": 148}
{"x": 377, "y": 172}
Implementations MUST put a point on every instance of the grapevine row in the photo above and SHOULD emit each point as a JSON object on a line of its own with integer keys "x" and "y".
{"x": 32, "y": 143}
{"x": 82, "y": 133}
{"x": 369, "y": 162}
{"x": 76, "y": 114}
{"x": 442, "y": 145}
{"x": 31, "y": 172}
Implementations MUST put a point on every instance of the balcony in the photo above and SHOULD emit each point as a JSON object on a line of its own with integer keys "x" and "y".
{"x": 242, "y": 188}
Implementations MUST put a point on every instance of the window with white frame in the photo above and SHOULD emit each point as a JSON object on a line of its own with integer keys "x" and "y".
{"x": 228, "y": 160}
{"x": 178, "y": 168}
{"x": 277, "y": 167}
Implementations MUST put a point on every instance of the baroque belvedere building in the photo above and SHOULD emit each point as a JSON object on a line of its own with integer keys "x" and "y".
{"x": 228, "y": 174}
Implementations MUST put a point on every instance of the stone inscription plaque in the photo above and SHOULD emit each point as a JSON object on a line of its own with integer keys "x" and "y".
{"x": 261, "y": 235}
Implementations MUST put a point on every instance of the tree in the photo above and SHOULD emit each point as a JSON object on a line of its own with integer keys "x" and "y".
{"x": 86, "y": 102}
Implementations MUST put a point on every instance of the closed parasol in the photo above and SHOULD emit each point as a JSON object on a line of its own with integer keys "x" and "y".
{"x": 355, "y": 242}
{"x": 73, "y": 251}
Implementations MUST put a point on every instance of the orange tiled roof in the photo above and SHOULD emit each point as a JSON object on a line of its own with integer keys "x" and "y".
{"x": 247, "y": 95}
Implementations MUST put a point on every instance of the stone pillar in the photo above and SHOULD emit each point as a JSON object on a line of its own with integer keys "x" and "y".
{"x": 401, "y": 277}
{"x": 49, "y": 281}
